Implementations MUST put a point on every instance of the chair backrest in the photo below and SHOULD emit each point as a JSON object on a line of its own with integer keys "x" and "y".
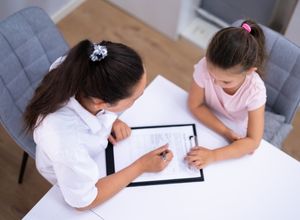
{"x": 29, "y": 43}
{"x": 282, "y": 78}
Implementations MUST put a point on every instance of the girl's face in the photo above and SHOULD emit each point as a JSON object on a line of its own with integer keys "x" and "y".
{"x": 124, "y": 104}
{"x": 231, "y": 78}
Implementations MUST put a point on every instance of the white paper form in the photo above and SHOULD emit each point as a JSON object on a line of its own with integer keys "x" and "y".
{"x": 180, "y": 139}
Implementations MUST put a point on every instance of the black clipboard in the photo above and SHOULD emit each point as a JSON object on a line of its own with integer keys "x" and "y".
{"x": 110, "y": 161}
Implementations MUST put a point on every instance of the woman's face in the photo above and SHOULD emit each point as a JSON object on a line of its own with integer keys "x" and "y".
{"x": 124, "y": 104}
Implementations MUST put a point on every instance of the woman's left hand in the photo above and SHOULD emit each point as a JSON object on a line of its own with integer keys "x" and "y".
{"x": 120, "y": 131}
{"x": 200, "y": 157}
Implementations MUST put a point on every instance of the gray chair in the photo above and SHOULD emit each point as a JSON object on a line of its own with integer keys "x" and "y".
{"x": 29, "y": 43}
{"x": 282, "y": 81}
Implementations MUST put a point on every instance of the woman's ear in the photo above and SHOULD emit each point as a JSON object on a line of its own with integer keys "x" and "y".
{"x": 99, "y": 103}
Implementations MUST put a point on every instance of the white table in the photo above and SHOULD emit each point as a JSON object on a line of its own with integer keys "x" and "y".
{"x": 264, "y": 185}
{"x": 53, "y": 207}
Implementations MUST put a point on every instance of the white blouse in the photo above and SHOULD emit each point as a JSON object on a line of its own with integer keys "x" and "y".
{"x": 68, "y": 141}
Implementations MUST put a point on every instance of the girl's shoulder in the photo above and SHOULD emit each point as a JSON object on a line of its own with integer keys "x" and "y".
{"x": 201, "y": 74}
{"x": 201, "y": 65}
{"x": 256, "y": 83}
{"x": 255, "y": 92}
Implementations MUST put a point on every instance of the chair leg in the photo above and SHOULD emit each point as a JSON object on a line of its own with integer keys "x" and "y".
{"x": 23, "y": 167}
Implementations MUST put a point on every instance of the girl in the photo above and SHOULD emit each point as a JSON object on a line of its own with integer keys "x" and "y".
{"x": 73, "y": 112}
{"x": 226, "y": 85}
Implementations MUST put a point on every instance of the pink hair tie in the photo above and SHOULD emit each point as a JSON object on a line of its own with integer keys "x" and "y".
{"x": 246, "y": 27}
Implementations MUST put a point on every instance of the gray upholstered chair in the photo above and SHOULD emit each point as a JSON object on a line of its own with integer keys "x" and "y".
{"x": 29, "y": 43}
{"x": 282, "y": 81}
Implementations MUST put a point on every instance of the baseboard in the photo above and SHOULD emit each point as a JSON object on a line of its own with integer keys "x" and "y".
{"x": 64, "y": 11}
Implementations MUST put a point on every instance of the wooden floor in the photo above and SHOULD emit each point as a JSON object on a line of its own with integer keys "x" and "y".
{"x": 98, "y": 20}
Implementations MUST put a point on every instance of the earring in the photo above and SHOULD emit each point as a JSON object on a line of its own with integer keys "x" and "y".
{"x": 108, "y": 105}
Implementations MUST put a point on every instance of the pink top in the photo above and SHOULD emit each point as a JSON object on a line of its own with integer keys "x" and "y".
{"x": 250, "y": 96}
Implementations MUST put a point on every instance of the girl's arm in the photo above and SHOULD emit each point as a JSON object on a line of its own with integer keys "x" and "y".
{"x": 203, "y": 113}
{"x": 200, "y": 157}
{"x": 112, "y": 184}
{"x": 248, "y": 144}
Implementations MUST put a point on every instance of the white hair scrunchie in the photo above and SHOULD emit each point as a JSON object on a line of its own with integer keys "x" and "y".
{"x": 99, "y": 53}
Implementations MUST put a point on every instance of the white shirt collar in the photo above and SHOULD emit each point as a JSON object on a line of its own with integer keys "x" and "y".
{"x": 103, "y": 119}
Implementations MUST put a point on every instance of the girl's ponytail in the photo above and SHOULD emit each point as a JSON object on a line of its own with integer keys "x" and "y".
{"x": 258, "y": 34}
{"x": 244, "y": 46}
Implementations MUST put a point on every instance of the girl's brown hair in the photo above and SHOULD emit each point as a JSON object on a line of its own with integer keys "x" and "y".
{"x": 236, "y": 46}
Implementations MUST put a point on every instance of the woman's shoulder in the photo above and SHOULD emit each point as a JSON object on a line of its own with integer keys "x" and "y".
{"x": 57, "y": 132}
{"x": 57, "y": 62}
{"x": 63, "y": 122}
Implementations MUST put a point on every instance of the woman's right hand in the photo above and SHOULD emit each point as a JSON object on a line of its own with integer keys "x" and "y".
{"x": 150, "y": 162}
{"x": 154, "y": 161}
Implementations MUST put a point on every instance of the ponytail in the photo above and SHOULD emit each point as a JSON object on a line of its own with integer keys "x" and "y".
{"x": 110, "y": 79}
{"x": 243, "y": 46}
{"x": 259, "y": 36}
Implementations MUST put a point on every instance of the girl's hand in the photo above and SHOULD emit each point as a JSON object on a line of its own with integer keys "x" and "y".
{"x": 120, "y": 131}
{"x": 200, "y": 157}
{"x": 232, "y": 136}
{"x": 154, "y": 161}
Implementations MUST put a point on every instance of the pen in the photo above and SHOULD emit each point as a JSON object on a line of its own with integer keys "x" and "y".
{"x": 164, "y": 155}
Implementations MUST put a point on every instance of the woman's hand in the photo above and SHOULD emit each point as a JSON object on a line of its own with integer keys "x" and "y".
{"x": 155, "y": 160}
{"x": 108, "y": 186}
{"x": 120, "y": 131}
{"x": 200, "y": 157}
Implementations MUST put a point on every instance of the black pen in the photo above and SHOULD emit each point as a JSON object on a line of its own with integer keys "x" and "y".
{"x": 164, "y": 155}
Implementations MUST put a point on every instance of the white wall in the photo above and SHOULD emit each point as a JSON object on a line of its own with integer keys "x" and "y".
{"x": 293, "y": 29}
{"x": 187, "y": 14}
{"x": 163, "y": 15}
{"x": 57, "y": 9}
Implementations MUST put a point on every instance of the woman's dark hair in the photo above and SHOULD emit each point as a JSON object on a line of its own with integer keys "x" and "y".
{"x": 236, "y": 46}
{"x": 111, "y": 79}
